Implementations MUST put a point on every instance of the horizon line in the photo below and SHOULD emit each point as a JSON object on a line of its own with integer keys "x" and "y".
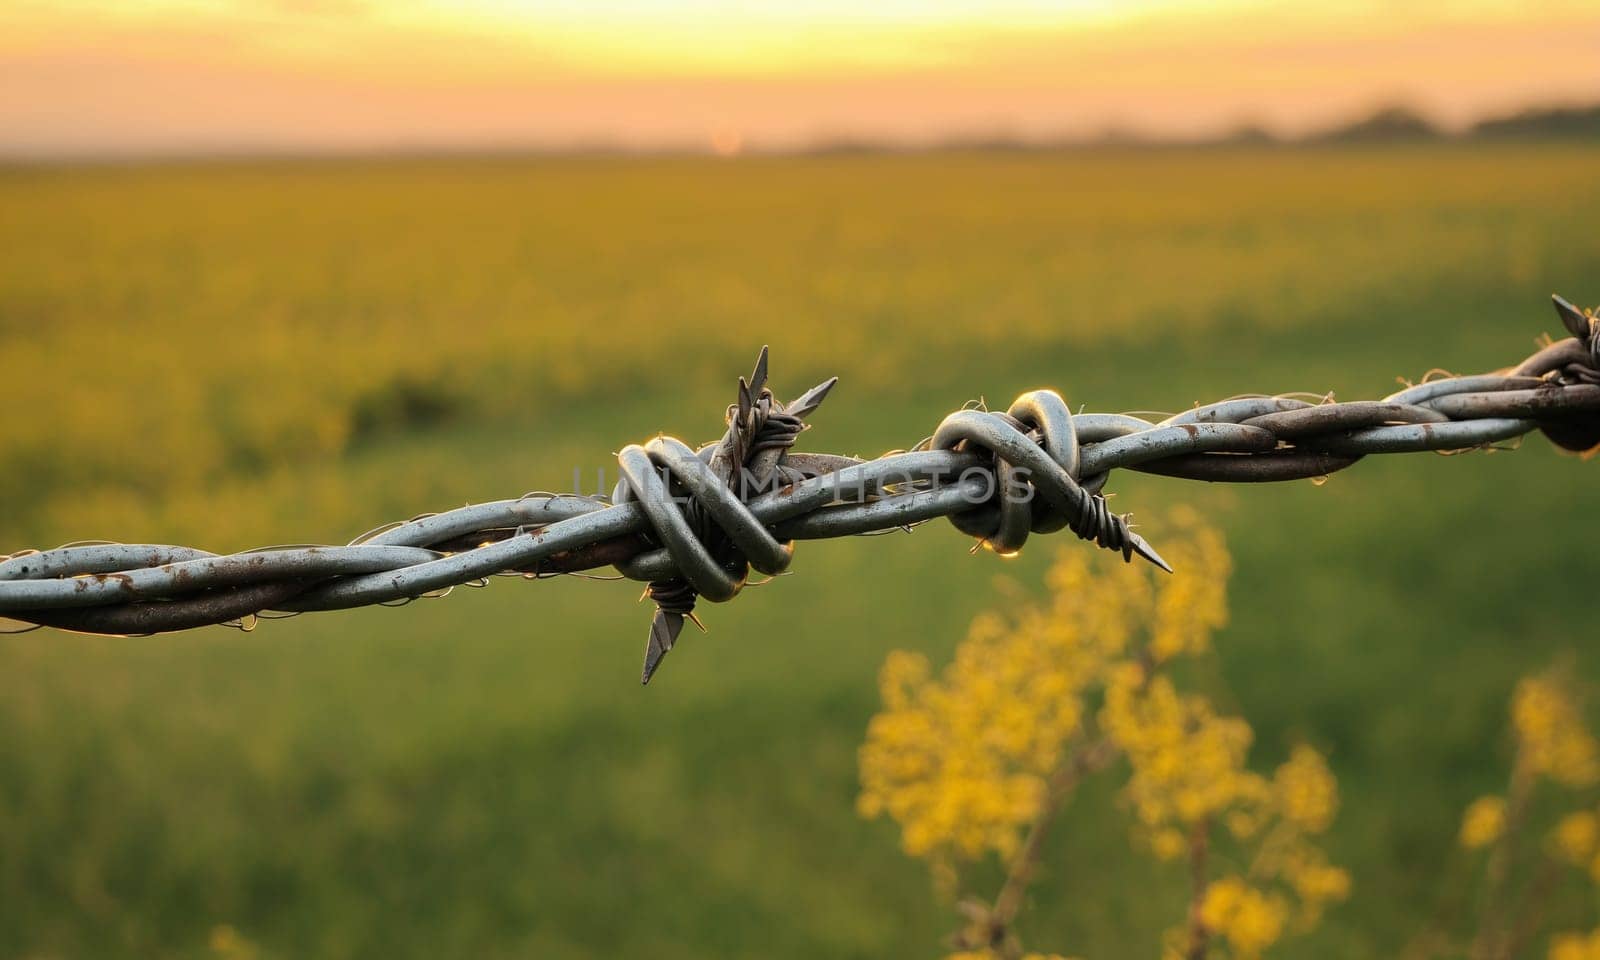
{"x": 1405, "y": 122}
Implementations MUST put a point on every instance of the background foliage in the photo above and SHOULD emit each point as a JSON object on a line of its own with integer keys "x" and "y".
{"x": 240, "y": 354}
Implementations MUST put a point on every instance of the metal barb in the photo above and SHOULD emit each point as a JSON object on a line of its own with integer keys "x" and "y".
{"x": 808, "y": 402}
{"x": 664, "y": 630}
{"x": 1142, "y": 547}
{"x": 1574, "y": 319}
{"x": 748, "y": 447}
{"x": 758, "y": 377}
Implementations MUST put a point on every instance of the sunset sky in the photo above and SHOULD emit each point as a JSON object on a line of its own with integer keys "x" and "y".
{"x": 137, "y": 76}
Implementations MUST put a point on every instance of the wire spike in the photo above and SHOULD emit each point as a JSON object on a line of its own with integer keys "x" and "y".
{"x": 746, "y": 400}
{"x": 1576, "y": 323}
{"x": 758, "y": 378}
{"x": 1143, "y": 549}
{"x": 664, "y": 630}
{"x": 809, "y": 401}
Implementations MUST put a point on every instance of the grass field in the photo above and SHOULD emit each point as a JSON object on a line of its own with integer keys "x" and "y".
{"x": 231, "y": 355}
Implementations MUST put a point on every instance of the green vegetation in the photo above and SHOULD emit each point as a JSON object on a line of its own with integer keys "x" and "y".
{"x": 233, "y": 355}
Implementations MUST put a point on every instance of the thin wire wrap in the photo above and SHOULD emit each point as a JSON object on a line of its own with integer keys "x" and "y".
{"x": 690, "y": 523}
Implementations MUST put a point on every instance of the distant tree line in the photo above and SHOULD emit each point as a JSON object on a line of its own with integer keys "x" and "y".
{"x": 1399, "y": 123}
{"x": 1395, "y": 123}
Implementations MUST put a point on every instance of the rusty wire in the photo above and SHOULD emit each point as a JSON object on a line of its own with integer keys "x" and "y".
{"x": 691, "y": 523}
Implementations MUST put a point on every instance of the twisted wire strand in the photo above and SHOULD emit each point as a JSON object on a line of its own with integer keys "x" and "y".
{"x": 690, "y": 523}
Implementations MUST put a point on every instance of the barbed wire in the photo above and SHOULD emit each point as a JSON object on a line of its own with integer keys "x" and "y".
{"x": 691, "y": 523}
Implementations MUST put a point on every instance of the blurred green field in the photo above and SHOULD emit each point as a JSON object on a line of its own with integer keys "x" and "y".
{"x": 231, "y": 355}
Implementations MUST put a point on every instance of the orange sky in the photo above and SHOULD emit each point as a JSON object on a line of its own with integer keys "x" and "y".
{"x": 118, "y": 76}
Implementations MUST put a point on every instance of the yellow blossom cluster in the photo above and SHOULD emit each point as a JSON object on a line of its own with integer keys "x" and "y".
{"x": 962, "y": 761}
{"x": 1305, "y": 791}
{"x": 1553, "y": 744}
{"x": 1192, "y": 605}
{"x": 1576, "y": 840}
{"x": 1483, "y": 822}
{"x": 965, "y": 760}
{"x": 1548, "y": 711}
{"x": 227, "y": 943}
{"x": 1187, "y": 763}
{"x": 1249, "y": 919}
{"x": 1317, "y": 883}
{"x": 1552, "y": 739}
{"x": 1575, "y": 946}
{"x": 1188, "y": 771}
{"x": 1289, "y": 877}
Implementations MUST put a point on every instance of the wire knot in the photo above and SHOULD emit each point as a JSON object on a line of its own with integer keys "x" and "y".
{"x": 694, "y": 501}
{"x": 1579, "y": 433}
{"x": 1034, "y": 451}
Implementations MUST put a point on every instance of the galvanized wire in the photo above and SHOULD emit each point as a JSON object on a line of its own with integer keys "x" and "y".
{"x": 691, "y": 522}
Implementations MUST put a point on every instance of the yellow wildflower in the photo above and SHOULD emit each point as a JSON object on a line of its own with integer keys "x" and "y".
{"x": 1576, "y": 837}
{"x": 1188, "y": 763}
{"x": 964, "y": 759}
{"x": 1247, "y": 918}
{"x": 1575, "y": 946}
{"x": 1243, "y": 825}
{"x": 1306, "y": 792}
{"x": 1323, "y": 883}
{"x": 1168, "y": 844}
{"x": 1194, "y": 605}
{"x": 1315, "y": 882}
{"x": 961, "y": 760}
{"x": 1551, "y": 736}
{"x": 227, "y": 943}
{"x": 1483, "y": 822}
